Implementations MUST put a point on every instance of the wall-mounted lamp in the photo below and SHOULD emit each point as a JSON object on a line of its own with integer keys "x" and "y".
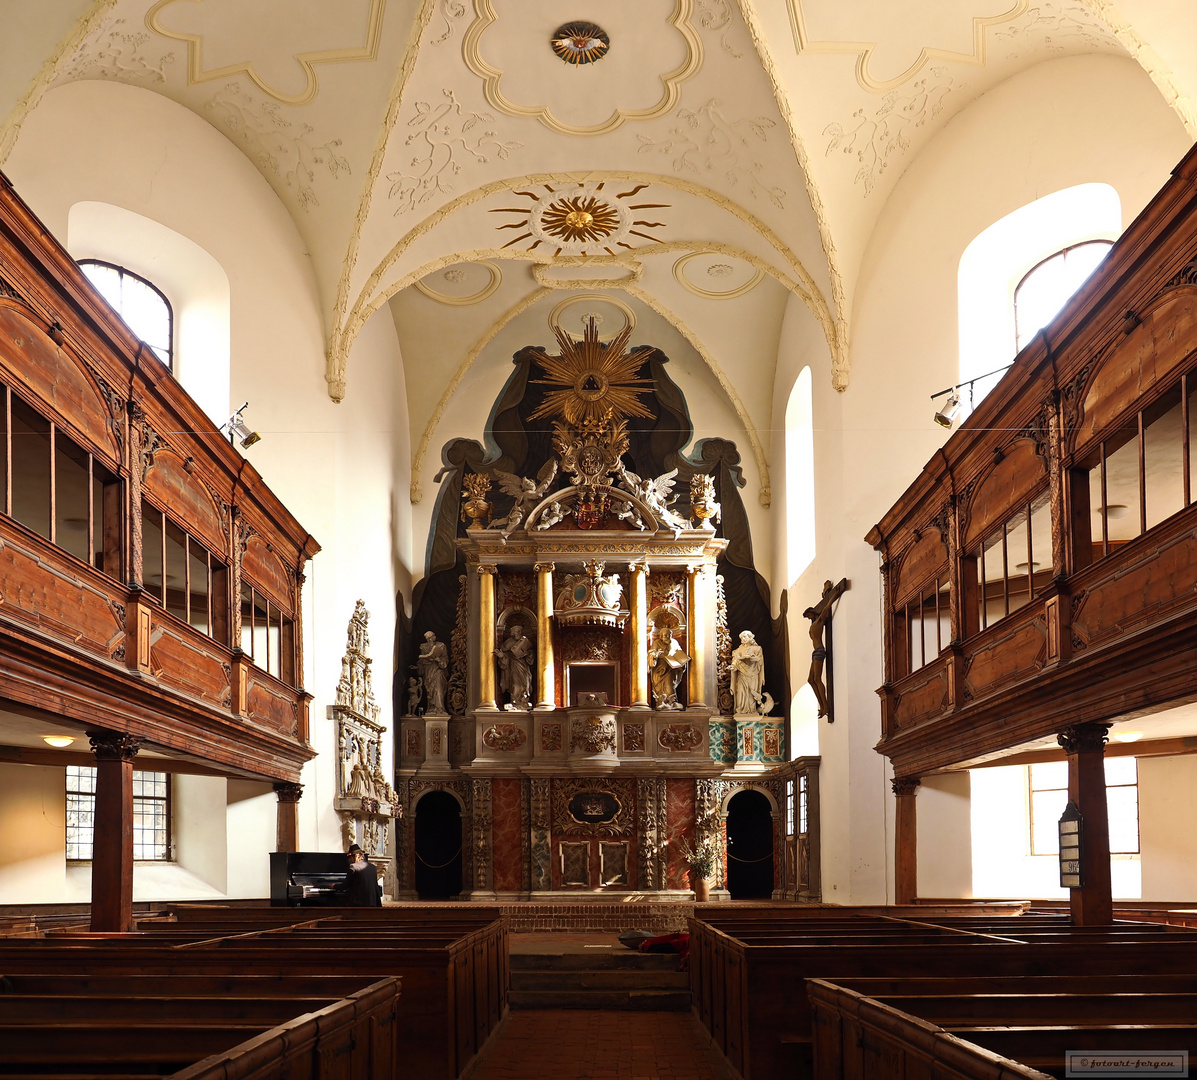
{"x": 953, "y": 410}
{"x": 60, "y": 741}
{"x": 235, "y": 428}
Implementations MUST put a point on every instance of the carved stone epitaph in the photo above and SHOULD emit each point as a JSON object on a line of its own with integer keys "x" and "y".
{"x": 365, "y": 800}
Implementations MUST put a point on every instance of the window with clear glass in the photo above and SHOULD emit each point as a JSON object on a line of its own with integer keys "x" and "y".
{"x": 1013, "y": 564}
{"x": 141, "y": 304}
{"x": 802, "y": 805}
{"x": 1048, "y": 787}
{"x": 789, "y": 808}
{"x": 1139, "y": 474}
{"x": 1050, "y": 284}
{"x": 925, "y": 623}
{"x": 151, "y": 814}
{"x": 267, "y": 634}
{"x": 54, "y": 487}
{"x": 182, "y": 575}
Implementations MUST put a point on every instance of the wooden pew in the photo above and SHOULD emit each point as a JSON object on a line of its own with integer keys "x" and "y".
{"x": 353, "y": 1038}
{"x": 455, "y": 982}
{"x": 855, "y": 1033}
{"x": 751, "y": 997}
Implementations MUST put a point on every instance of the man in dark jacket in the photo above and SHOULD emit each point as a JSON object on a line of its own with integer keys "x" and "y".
{"x": 361, "y": 883}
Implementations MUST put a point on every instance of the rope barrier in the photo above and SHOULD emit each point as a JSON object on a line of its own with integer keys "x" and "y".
{"x": 441, "y": 866}
{"x": 761, "y": 859}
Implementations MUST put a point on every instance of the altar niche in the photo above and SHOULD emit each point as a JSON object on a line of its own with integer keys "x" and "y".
{"x": 592, "y": 672}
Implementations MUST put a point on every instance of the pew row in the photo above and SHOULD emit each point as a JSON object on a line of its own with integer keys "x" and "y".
{"x": 204, "y": 1038}
{"x": 454, "y": 972}
{"x": 749, "y": 989}
{"x": 857, "y": 1035}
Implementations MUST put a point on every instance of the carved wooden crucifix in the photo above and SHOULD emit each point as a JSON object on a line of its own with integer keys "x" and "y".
{"x": 820, "y": 639}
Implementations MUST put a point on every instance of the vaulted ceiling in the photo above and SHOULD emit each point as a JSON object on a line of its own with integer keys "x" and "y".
{"x": 694, "y": 162}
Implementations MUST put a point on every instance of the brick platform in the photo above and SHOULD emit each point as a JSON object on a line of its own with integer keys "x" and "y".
{"x": 597, "y": 917}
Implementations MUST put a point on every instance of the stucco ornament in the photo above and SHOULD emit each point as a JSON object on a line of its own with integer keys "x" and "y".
{"x": 659, "y": 49}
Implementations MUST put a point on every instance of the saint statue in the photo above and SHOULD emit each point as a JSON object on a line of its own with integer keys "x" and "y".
{"x": 432, "y": 664}
{"x": 666, "y": 665}
{"x": 747, "y": 674}
{"x": 515, "y": 668}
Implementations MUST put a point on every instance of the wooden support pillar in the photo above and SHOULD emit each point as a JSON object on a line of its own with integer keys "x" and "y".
{"x": 288, "y": 816}
{"x": 1093, "y": 903}
{"x": 906, "y": 866}
{"x": 112, "y": 843}
{"x": 546, "y": 671}
{"x": 697, "y": 640}
{"x": 486, "y": 636}
{"x": 639, "y": 616}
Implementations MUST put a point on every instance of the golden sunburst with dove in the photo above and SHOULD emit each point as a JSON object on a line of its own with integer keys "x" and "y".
{"x": 594, "y": 382}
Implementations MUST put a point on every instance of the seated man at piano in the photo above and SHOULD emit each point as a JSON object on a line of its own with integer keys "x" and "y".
{"x": 361, "y": 882}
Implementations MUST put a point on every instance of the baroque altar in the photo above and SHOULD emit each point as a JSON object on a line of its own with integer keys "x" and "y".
{"x": 588, "y": 712}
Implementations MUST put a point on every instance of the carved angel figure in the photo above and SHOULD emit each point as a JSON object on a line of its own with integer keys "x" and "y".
{"x": 553, "y": 513}
{"x": 527, "y": 493}
{"x": 626, "y": 510}
{"x": 656, "y": 494}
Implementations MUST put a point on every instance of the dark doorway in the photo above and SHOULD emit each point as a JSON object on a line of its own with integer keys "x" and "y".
{"x": 749, "y": 846}
{"x": 438, "y": 846}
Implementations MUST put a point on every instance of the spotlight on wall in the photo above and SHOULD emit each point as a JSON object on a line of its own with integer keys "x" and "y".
{"x": 236, "y": 428}
{"x": 946, "y": 416}
{"x": 59, "y": 741}
{"x": 954, "y": 410}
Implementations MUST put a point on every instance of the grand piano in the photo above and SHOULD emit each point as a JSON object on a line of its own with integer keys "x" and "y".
{"x": 307, "y": 878}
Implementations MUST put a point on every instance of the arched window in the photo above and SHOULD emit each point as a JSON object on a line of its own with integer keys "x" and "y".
{"x": 140, "y": 303}
{"x": 1078, "y": 224}
{"x": 1048, "y": 286}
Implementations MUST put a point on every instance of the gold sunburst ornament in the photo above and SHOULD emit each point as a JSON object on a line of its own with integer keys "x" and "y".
{"x": 595, "y": 382}
{"x": 578, "y": 218}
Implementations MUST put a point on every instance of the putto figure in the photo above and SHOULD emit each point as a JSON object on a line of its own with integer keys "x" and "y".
{"x": 515, "y": 669}
{"x": 666, "y": 665}
{"x": 747, "y": 674}
{"x": 433, "y": 664}
{"x": 527, "y": 493}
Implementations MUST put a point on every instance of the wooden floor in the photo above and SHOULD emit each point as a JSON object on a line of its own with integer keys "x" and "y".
{"x": 572, "y": 1044}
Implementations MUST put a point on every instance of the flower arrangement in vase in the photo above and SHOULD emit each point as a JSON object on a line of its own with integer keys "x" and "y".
{"x": 702, "y": 855}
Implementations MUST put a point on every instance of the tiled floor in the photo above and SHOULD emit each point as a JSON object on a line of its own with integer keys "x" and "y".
{"x": 581, "y": 1045}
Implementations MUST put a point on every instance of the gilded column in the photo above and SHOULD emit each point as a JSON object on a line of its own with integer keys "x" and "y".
{"x": 639, "y": 606}
{"x": 486, "y": 636}
{"x": 697, "y": 603}
{"x": 546, "y": 674}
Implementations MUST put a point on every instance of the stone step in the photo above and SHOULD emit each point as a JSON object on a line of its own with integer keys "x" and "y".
{"x": 621, "y": 1000}
{"x": 595, "y": 960}
{"x": 566, "y": 981}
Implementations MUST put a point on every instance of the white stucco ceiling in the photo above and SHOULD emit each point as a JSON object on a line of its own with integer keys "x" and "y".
{"x": 735, "y": 151}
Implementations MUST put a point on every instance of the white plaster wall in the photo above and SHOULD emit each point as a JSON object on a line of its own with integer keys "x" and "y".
{"x": 332, "y": 465}
{"x": 198, "y": 827}
{"x": 945, "y": 836}
{"x": 33, "y": 836}
{"x": 1167, "y": 807}
{"x": 1106, "y": 123}
{"x": 250, "y": 825}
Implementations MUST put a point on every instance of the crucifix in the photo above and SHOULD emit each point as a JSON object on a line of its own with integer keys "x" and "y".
{"x": 820, "y": 639}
